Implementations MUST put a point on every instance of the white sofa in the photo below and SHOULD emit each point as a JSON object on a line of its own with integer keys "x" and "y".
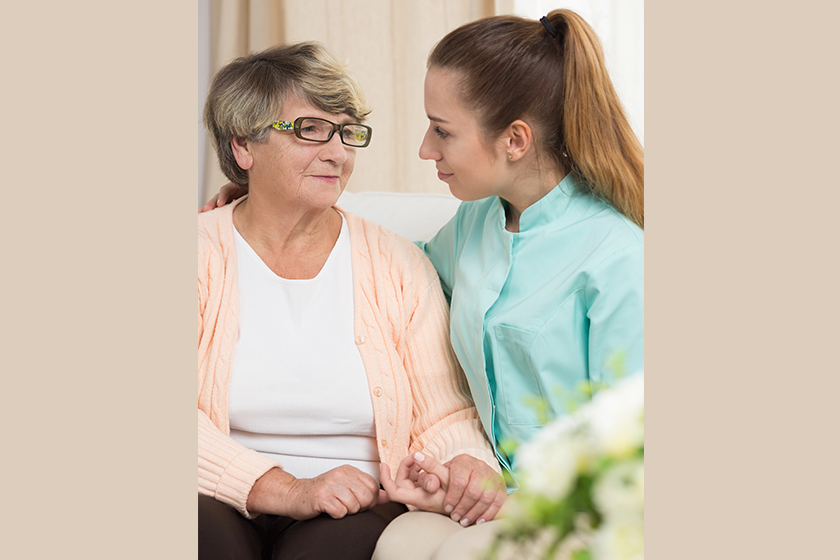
{"x": 415, "y": 216}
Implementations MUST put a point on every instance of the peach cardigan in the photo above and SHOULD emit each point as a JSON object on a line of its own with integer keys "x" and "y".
{"x": 420, "y": 397}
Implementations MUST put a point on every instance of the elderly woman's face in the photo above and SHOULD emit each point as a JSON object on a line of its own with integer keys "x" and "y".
{"x": 311, "y": 173}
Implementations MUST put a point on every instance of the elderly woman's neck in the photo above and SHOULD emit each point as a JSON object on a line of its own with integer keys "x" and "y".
{"x": 293, "y": 239}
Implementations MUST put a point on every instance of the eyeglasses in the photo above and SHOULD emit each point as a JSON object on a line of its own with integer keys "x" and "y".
{"x": 320, "y": 130}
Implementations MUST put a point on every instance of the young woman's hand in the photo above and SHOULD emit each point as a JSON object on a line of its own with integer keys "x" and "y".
{"x": 227, "y": 194}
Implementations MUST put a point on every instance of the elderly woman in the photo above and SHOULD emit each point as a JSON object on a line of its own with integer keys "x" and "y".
{"x": 322, "y": 338}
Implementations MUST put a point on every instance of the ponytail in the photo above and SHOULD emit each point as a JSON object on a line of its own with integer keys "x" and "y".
{"x": 514, "y": 68}
{"x": 602, "y": 147}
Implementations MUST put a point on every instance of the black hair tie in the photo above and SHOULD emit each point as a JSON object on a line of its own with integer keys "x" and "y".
{"x": 548, "y": 26}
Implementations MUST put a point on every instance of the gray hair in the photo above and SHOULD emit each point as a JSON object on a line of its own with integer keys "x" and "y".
{"x": 247, "y": 95}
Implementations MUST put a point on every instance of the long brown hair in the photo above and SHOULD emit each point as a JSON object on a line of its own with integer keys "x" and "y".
{"x": 512, "y": 68}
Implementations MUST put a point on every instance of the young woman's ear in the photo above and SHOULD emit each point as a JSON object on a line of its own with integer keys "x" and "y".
{"x": 519, "y": 138}
{"x": 242, "y": 152}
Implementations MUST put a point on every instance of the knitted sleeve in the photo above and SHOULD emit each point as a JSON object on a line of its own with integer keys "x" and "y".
{"x": 227, "y": 470}
{"x": 446, "y": 422}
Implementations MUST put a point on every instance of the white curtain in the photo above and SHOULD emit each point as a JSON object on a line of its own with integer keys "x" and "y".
{"x": 390, "y": 62}
{"x": 620, "y": 24}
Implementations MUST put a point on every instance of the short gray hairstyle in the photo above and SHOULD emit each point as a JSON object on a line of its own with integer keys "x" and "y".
{"x": 247, "y": 95}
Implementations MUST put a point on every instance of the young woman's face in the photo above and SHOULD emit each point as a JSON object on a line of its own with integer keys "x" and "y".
{"x": 472, "y": 166}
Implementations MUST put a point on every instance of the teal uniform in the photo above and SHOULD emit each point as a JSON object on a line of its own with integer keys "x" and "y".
{"x": 536, "y": 315}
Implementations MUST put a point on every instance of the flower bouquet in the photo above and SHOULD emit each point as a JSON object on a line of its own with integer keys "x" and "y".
{"x": 581, "y": 477}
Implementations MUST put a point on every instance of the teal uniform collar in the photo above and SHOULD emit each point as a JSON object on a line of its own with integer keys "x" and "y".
{"x": 549, "y": 209}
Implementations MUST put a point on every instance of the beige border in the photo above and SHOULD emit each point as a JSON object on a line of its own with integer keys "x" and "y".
{"x": 98, "y": 121}
{"x": 741, "y": 280}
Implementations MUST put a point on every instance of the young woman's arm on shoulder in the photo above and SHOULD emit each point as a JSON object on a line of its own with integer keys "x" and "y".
{"x": 227, "y": 194}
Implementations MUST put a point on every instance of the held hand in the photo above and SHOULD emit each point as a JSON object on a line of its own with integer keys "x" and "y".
{"x": 228, "y": 193}
{"x": 475, "y": 491}
{"x": 342, "y": 491}
{"x": 426, "y": 480}
{"x": 405, "y": 488}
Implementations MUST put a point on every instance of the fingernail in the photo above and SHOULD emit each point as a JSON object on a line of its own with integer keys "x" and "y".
{"x": 449, "y": 509}
{"x": 429, "y": 485}
{"x": 455, "y": 517}
{"x": 479, "y": 522}
{"x": 419, "y": 456}
{"x": 465, "y": 522}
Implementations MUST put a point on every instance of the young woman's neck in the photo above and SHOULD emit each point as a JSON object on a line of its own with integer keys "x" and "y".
{"x": 529, "y": 187}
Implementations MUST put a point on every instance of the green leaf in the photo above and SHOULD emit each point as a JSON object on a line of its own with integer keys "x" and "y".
{"x": 581, "y": 555}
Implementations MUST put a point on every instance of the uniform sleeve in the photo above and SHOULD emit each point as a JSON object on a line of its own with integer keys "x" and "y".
{"x": 615, "y": 294}
{"x": 446, "y": 422}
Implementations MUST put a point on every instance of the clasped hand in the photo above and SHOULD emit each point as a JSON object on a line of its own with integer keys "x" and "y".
{"x": 466, "y": 488}
{"x": 342, "y": 491}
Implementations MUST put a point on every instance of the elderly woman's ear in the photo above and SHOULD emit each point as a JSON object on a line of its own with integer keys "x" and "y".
{"x": 242, "y": 152}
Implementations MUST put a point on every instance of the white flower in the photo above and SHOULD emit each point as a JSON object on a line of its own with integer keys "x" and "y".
{"x": 620, "y": 540}
{"x": 616, "y": 417}
{"x": 603, "y": 439}
{"x": 620, "y": 491}
{"x": 549, "y": 465}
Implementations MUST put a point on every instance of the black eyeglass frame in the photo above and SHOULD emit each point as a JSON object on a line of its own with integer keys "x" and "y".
{"x": 295, "y": 126}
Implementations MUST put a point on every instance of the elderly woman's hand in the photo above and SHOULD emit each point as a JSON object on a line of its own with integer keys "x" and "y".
{"x": 228, "y": 193}
{"x": 339, "y": 492}
{"x": 475, "y": 492}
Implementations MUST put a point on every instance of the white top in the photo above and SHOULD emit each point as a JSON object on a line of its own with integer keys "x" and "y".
{"x": 298, "y": 390}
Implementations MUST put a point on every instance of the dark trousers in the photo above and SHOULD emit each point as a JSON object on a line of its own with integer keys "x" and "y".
{"x": 223, "y": 534}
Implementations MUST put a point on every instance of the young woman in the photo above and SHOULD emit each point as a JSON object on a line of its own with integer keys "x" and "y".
{"x": 543, "y": 263}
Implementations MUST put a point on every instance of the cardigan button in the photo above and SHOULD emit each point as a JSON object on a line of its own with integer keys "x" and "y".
{"x": 360, "y": 340}
{"x": 384, "y": 443}
{"x": 377, "y": 391}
